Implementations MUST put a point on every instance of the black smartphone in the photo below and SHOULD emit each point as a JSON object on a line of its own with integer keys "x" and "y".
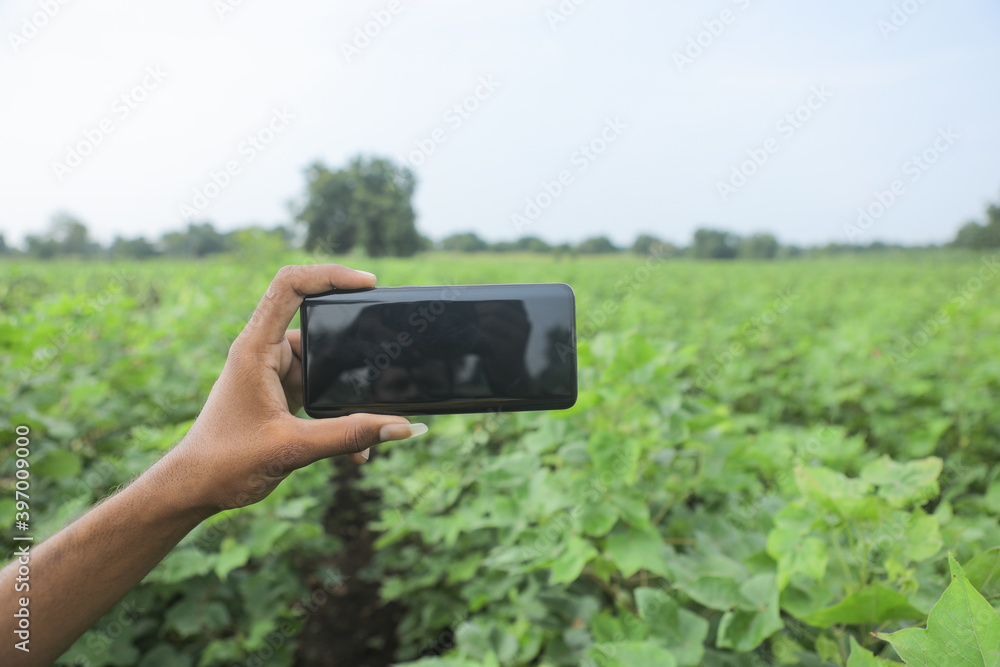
{"x": 439, "y": 350}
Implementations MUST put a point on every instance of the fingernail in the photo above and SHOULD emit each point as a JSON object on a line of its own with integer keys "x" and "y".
{"x": 365, "y": 454}
{"x": 365, "y": 273}
{"x": 401, "y": 431}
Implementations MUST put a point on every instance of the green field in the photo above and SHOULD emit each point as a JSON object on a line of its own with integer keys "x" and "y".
{"x": 768, "y": 462}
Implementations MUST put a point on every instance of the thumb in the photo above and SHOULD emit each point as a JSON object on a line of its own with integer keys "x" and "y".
{"x": 323, "y": 438}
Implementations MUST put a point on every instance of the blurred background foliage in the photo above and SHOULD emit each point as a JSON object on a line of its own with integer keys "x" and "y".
{"x": 767, "y": 463}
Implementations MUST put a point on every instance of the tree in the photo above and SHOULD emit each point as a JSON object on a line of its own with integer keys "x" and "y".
{"x": 532, "y": 244}
{"x": 4, "y": 250}
{"x": 970, "y": 235}
{"x": 198, "y": 240}
{"x": 368, "y": 203}
{"x": 464, "y": 242}
{"x": 137, "y": 248}
{"x": 67, "y": 235}
{"x": 980, "y": 237}
{"x": 256, "y": 241}
{"x": 715, "y": 244}
{"x": 646, "y": 244}
{"x": 758, "y": 246}
{"x": 596, "y": 246}
{"x": 789, "y": 251}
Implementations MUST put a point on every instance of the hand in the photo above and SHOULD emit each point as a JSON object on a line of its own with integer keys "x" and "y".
{"x": 247, "y": 439}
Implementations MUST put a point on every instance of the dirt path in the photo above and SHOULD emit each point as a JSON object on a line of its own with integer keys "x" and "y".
{"x": 352, "y": 629}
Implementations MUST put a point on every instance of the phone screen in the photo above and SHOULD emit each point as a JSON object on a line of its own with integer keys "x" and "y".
{"x": 439, "y": 350}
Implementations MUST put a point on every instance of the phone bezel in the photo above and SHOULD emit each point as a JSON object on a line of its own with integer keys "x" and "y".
{"x": 392, "y": 294}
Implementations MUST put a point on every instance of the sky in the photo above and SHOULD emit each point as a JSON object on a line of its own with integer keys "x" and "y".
{"x": 842, "y": 122}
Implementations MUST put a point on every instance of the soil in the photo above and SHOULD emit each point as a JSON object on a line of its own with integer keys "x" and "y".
{"x": 352, "y": 627}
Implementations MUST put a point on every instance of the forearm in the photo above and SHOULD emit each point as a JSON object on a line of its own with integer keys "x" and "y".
{"x": 82, "y": 571}
{"x": 244, "y": 442}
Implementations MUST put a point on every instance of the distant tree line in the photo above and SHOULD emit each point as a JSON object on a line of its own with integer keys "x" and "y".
{"x": 68, "y": 236}
{"x": 367, "y": 206}
{"x": 977, "y": 236}
{"x": 597, "y": 245}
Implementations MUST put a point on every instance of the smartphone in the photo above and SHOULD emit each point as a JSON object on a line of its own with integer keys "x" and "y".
{"x": 439, "y": 350}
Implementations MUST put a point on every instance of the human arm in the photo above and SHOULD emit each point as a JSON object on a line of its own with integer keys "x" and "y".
{"x": 243, "y": 444}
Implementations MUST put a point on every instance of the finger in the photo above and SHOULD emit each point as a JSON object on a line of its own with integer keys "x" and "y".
{"x": 361, "y": 457}
{"x": 292, "y": 381}
{"x": 323, "y": 438}
{"x": 284, "y": 296}
{"x": 291, "y": 384}
{"x": 294, "y": 338}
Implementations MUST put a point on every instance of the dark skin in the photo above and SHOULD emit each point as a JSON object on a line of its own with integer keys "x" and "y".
{"x": 243, "y": 444}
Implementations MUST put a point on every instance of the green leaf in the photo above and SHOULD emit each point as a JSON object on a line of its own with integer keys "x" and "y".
{"x": 568, "y": 566}
{"x": 464, "y": 569}
{"x": 58, "y": 464}
{"x": 983, "y": 573}
{"x": 922, "y": 537}
{"x": 632, "y": 550}
{"x": 796, "y": 555}
{"x": 232, "y": 555}
{"x": 182, "y": 564}
{"x": 872, "y": 605}
{"x": 992, "y": 498}
{"x": 861, "y": 658}
{"x": 633, "y": 509}
{"x": 828, "y": 649}
{"x": 904, "y": 484}
{"x": 962, "y": 629}
{"x": 746, "y": 628}
{"x": 847, "y": 498}
{"x": 598, "y": 518}
{"x": 607, "y": 628}
{"x": 192, "y": 616}
{"x": 224, "y": 651}
{"x": 715, "y": 592}
{"x": 680, "y": 630}
{"x": 631, "y": 654}
{"x": 297, "y": 508}
{"x": 473, "y": 639}
{"x": 265, "y": 534}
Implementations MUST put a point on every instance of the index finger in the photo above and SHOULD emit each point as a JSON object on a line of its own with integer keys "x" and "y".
{"x": 292, "y": 284}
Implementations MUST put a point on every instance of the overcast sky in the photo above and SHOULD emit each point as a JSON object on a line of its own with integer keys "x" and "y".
{"x": 776, "y": 116}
